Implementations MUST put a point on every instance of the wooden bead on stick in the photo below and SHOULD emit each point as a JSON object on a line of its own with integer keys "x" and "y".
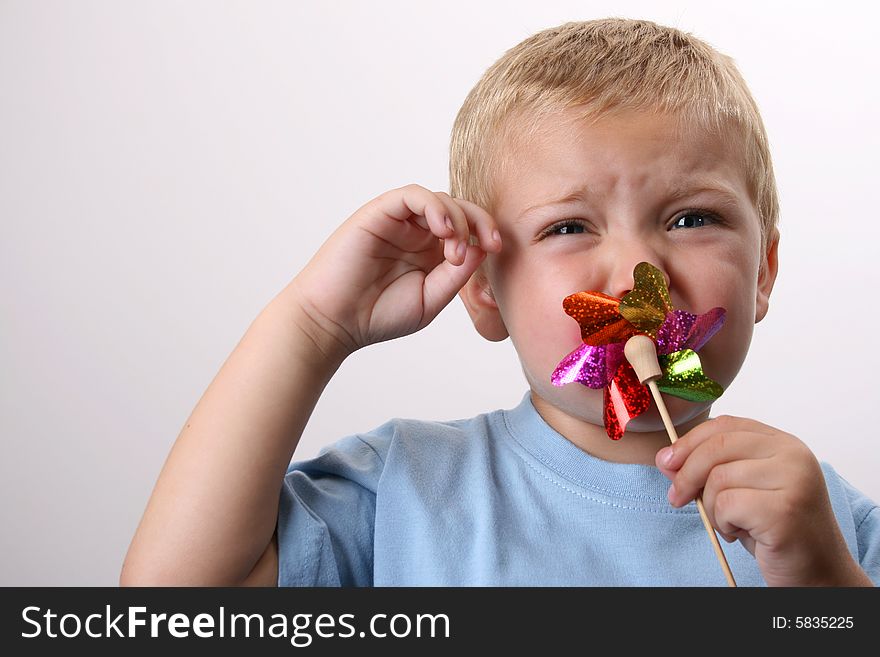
{"x": 641, "y": 354}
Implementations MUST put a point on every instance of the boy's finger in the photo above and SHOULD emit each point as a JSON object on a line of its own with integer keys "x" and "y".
{"x": 758, "y": 474}
{"x": 671, "y": 458}
{"x": 483, "y": 224}
{"x": 719, "y": 449}
{"x": 404, "y": 203}
{"x": 455, "y": 245}
{"x": 446, "y": 279}
{"x": 739, "y": 510}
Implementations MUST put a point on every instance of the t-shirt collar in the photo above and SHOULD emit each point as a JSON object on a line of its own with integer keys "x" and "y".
{"x": 627, "y": 480}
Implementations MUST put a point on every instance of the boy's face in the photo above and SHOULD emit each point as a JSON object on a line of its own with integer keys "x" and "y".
{"x": 639, "y": 190}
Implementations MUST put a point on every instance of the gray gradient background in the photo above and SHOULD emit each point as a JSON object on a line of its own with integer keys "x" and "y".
{"x": 166, "y": 168}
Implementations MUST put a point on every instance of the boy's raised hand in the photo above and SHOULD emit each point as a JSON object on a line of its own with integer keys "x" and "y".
{"x": 766, "y": 488}
{"x": 391, "y": 267}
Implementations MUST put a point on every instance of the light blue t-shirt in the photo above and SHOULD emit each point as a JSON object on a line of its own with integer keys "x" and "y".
{"x": 502, "y": 499}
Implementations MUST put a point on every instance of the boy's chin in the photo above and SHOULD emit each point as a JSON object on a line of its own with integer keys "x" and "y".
{"x": 586, "y": 404}
{"x": 684, "y": 414}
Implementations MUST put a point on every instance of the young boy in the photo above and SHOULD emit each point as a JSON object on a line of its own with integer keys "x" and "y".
{"x": 584, "y": 150}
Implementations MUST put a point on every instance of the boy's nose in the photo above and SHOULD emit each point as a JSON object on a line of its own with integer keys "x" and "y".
{"x": 624, "y": 252}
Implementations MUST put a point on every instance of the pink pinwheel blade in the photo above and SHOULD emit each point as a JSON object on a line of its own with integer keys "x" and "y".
{"x": 590, "y": 365}
{"x": 584, "y": 365}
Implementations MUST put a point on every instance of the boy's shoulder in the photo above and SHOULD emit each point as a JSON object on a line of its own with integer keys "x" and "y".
{"x": 846, "y": 496}
{"x": 414, "y": 435}
{"x": 417, "y": 443}
{"x": 405, "y": 452}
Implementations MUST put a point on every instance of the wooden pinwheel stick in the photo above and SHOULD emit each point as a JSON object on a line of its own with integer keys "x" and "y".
{"x": 641, "y": 354}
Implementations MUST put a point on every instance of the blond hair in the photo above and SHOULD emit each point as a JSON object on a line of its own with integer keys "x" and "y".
{"x": 604, "y": 66}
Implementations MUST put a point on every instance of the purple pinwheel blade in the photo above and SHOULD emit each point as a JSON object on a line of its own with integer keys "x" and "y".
{"x": 684, "y": 330}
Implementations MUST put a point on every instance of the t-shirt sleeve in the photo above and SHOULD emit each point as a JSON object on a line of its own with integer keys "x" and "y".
{"x": 859, "y": 520}
{"x": 866, "y": 517}
{"x": 326, "y": 514}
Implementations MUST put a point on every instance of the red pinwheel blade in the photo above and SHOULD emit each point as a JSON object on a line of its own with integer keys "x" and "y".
{"x": 625, "y": 398}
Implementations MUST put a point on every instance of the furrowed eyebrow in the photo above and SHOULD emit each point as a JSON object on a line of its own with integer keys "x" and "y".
{"x": 727, "y": 197}
{"x": 675, "y": 193}
{"x": 571, "y": 197}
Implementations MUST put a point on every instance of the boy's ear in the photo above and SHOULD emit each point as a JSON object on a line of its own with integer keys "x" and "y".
{"x": 480, "y": 303}
{"x": 767, "y": 276}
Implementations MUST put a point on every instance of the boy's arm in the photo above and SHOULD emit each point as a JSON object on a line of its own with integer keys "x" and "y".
{"x": 211, "y": 518}
{"x": 385, "y": 272}
{"x": 265, "y": 573}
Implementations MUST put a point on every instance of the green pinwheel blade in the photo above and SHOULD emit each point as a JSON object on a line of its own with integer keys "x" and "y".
{"x": 683, "y": 377}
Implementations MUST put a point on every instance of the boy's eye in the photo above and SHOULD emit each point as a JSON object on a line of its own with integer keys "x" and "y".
{"x": 568, "y": 227}
{"x": 693, "y": 219}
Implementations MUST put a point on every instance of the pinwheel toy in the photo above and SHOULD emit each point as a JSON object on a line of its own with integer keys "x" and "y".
{"x": 622, "y": 340}
{"x": 608, "y": 322}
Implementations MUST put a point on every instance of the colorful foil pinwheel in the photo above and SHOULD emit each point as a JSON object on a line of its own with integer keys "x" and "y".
{"x": 608, "y": 322}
